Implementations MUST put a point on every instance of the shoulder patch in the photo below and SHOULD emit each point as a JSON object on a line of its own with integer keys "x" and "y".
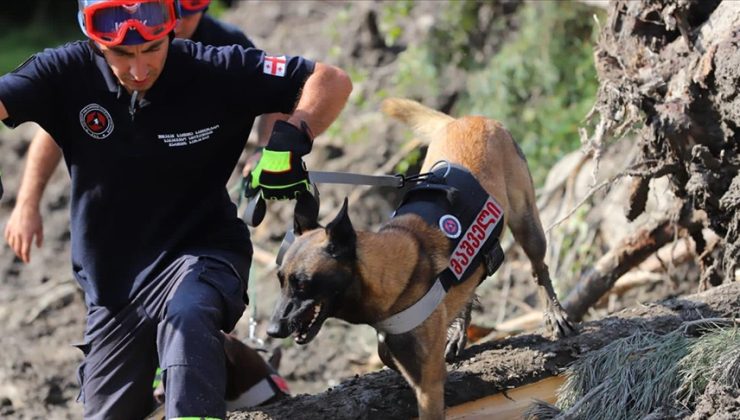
{"x": 274, "y": 66}
{"x": 96, "y": 121}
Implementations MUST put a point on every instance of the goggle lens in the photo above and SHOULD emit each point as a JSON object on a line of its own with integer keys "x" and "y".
{"x": 109, "y": 22}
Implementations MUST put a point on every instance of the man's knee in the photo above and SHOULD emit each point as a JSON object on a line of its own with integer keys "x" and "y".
{"x": 213, "y": 290}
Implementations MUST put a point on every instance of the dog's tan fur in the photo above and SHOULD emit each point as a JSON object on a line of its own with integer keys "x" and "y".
{"x": 395, "y": 266}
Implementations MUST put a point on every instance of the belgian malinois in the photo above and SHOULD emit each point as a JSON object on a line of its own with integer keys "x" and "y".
{"x": 366, "y": 277}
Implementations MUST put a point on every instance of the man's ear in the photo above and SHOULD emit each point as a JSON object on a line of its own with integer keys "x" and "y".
{"x": 342, "y": 236}
{"x": 306, "y": 214}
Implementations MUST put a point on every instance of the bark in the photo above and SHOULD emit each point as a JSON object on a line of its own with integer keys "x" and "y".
{"x": 618, "y": 261}
{"x": 496, "y": 366}
{"x": 669, "y": 70}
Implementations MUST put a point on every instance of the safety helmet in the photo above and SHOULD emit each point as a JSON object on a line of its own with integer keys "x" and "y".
{"x": 191, "y": 7}
{"x": 126, "y": 22}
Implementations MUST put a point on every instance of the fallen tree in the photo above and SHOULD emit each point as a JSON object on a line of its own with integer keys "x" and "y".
{"x": 497, "y": 366}
{"x": 668, "y": 73}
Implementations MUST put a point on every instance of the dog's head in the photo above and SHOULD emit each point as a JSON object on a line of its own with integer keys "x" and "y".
{"x": 315, "y": 275}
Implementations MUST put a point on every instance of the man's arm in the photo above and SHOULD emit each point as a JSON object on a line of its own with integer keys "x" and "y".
{"x": 3, "y": 115}
{"x": 25, "y": 221}
{"x": 324, "y": 95}
{"x": 280, "y": 173}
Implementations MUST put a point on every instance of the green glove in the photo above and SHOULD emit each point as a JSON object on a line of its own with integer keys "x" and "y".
{"x": 280, "y": 173}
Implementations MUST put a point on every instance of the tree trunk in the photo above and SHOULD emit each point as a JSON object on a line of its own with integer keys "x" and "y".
{"x": 492, "y": 367}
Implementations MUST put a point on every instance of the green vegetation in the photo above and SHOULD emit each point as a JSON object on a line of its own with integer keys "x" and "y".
{"x": 18, "y": 42}
{"x": 542, "y": 83}
{"x": 536, "y": 75}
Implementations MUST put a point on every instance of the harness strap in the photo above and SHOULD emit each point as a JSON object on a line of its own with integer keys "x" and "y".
{"x": 414, "y": 315}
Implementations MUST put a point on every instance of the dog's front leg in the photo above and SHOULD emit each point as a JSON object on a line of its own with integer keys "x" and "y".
{"x": 418, "y": 355}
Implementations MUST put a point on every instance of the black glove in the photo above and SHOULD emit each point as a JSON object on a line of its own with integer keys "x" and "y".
{"x": 1, "y": 185}
{"x": 280, "y": 173}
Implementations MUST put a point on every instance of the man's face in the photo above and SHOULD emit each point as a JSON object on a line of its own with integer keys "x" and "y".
{"x": 187, "y": 24}
{"x": 137, "y": 67}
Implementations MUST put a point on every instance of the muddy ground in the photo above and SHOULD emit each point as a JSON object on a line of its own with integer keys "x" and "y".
{"x": 41, "y": 309}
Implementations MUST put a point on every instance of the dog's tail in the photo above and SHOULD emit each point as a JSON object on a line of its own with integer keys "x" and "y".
{"x": 425, "y": 122}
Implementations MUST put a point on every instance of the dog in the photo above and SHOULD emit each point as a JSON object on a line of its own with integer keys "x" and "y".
{"x": 250, "y": 380}
{"x": 371, "y": 277}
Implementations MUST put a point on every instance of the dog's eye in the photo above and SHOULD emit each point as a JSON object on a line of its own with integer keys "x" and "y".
{"x": 281, "y": 278}
{"x": 299, "y": 285}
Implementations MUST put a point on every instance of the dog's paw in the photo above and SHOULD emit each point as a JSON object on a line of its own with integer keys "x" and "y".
{"x": 457, "y": 339}
{"x": 558, "y": 324}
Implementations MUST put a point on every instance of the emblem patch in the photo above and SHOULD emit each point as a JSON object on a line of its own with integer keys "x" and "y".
{"x": 450, "y": 226}
{"x": 274, "y": 66}
{"x": 96, "y": 121}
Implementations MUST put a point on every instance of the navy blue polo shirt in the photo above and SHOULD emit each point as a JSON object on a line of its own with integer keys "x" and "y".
{"x": 211, "y": 31}
{"x": 149, "y": 182}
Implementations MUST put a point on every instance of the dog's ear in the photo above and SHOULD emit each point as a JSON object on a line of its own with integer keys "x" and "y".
{"x": 342, "y": 236}
{"x": 306, "y": 214}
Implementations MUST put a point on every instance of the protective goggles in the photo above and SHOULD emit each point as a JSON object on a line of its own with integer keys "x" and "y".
{"x": 191, "y": 7}
{"x": 109, "y": 22}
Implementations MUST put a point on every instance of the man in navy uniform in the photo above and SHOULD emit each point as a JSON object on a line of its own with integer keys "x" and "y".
{"x": 25, "y": 224}
{"x": 151, "y": 129}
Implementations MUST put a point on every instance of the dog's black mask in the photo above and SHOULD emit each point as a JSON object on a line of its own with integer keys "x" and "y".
{"x": 314, "y": 275}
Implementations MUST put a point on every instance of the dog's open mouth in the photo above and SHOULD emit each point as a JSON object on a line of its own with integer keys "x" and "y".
{"x": 307, "y": 324}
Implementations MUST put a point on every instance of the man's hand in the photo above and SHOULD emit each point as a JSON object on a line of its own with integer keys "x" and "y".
{"x": 251, "y": 162}
{"x": 23, "y": 226}
{"x": 280, "y": 173}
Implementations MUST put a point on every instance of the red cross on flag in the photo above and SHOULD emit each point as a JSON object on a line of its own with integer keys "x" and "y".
{"x": 274, "y": 66}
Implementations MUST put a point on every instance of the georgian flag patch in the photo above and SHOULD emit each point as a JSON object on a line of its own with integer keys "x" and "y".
{"x": 274, "y": 66}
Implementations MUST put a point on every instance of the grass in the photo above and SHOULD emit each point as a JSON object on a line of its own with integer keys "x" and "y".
{"x": 644, "y": 373}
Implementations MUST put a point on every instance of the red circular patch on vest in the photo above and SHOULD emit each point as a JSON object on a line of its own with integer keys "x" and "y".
{"x": 450, "y": 226}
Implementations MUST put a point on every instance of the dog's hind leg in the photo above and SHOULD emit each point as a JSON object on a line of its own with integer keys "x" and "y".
{"x": 457, "y": 333}
{"x": 527, "y": 230}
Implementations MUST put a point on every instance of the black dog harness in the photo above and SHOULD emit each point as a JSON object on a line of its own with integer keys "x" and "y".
{"x": 451, "y": 199}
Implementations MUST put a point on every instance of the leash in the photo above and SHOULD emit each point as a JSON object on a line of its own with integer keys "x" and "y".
{"x": 398, "y": 180}
{"x": 256, "y": 207}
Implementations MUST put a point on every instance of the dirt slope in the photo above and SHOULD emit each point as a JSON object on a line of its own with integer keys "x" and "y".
{"x": 41, "y": 310}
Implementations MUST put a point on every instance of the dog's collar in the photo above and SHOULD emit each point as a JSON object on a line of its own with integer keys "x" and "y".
{"x": 258, "y": 393}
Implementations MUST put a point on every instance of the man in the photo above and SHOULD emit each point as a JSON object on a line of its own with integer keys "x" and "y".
{"x": 25, "y": 224}
{"x": 151, "y": 129}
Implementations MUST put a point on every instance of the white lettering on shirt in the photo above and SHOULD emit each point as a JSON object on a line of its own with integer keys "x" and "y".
{"x": 188, "y": 137}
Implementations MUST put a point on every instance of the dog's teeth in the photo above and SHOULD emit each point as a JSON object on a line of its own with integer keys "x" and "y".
{"x": 316, "y": 312}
